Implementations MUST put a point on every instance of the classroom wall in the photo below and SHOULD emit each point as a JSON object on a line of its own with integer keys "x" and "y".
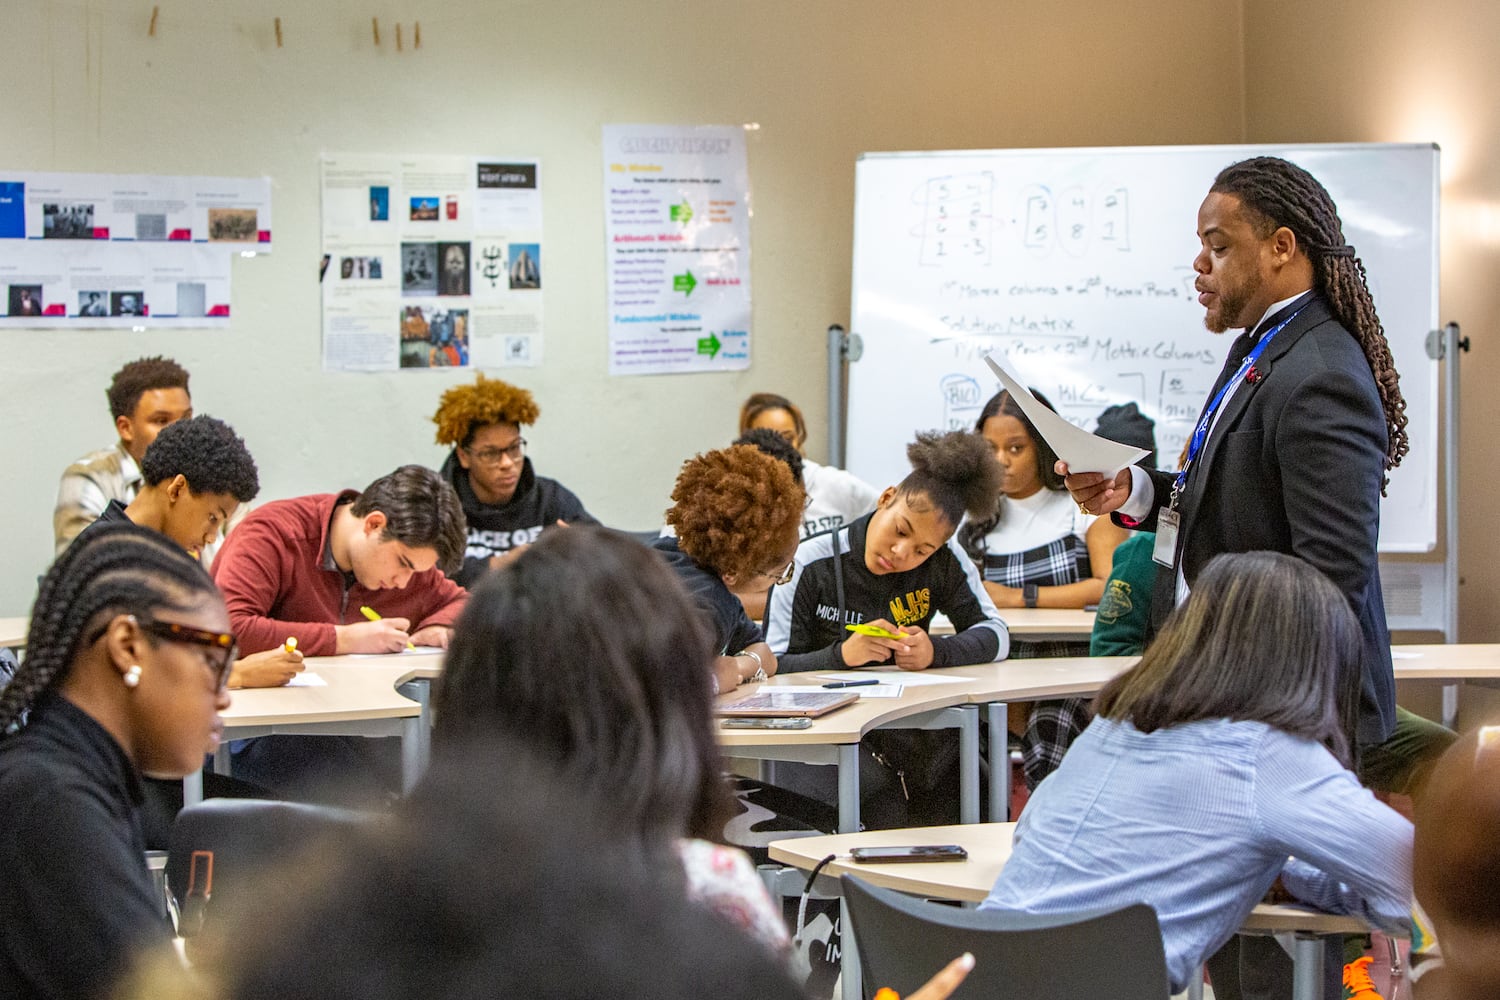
{"x": 1391, "y": 71}
{"x": 87, "y": 90}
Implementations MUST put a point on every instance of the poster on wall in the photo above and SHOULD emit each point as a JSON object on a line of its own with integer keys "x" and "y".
{"x": 125, "y": 250}
{"x": 431, "y": 262}
{"x": 677, "y": 238}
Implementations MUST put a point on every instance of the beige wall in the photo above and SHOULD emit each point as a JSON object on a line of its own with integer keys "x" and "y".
{"x": 1393, "y": 71}
{"x": 86, "y": 89}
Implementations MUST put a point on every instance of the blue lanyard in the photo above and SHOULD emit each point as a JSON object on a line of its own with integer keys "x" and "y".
{"x": 1200, "y": 433}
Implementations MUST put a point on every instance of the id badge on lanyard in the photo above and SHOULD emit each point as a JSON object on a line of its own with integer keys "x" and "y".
{"x": 1164, "y": 553}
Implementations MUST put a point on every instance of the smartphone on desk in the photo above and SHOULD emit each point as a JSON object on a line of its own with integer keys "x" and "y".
{"x": 915, "y": 853}
{"x": 766, "y": 723}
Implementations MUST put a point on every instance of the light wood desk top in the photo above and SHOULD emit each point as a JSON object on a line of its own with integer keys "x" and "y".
{"x": 358, "y": 688}
{"x": 988, "y": 845}
{"x": 1035, "y": 623}
{"x": 13, "y": 631}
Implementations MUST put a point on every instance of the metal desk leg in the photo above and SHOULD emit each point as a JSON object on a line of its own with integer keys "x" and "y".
{"x": 968, "y": 767}
{"x": 192, "y": 789}
{"x": 1307, "y": 968}
{"x": 223, "y": 759}
{"x": 1195, "y": 988}
{"x": 849, "y": 974}
{"x": 999, "y": 761}
{"x": 419, "y": 690}
{"x": 849, "y": 788}
{"x": 1450, "y": 705}
{"x": 412, "y": 761}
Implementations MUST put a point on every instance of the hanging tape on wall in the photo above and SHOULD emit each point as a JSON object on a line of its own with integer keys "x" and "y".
{"x": 375, "y": 30}
{"x": 398, "y": 36}
{"x": 416, "y": 31}
{"x": 278, "y": 32}
{"x": 152, "y": 30}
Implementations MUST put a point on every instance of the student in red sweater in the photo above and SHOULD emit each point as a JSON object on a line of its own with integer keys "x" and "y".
{"x": 304, "y": 568}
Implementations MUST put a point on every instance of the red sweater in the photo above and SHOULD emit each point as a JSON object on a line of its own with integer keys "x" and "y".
{"x": 272, "y": 572}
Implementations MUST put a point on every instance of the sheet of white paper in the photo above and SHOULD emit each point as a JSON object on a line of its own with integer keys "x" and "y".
{"x": 864, "y": 690}
{"x": 1084, "y": 452}
{"x": 1398, "y": 654}
{"x": 306, "y": 679}
{"x": 908, "y": 678}
{"x": 408, "y": 651}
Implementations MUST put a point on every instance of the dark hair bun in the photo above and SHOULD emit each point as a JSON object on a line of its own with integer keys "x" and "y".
{"x": 962, "y": 462}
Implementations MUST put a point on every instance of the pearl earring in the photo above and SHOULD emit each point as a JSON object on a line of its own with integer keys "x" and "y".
{"x": 132, "y": 676}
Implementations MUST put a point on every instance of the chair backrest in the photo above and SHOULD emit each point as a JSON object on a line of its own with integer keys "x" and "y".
{"x": 222, "y": 847}
{"x": 903, "y": 941}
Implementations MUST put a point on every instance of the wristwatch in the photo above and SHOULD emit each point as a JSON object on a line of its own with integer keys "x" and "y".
{"x": 1028, "y": 594}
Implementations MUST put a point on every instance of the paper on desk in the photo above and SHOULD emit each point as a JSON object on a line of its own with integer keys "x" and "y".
{"x": 1084, "y": 452}
{"x": 882, "y": 690}
{"x": 904, "y": 678}
{"x": 1401, "y": 654}
{"x": 306, "y": 679}
{"x": 408, "y": 651}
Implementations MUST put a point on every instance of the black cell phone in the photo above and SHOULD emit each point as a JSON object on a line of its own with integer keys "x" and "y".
{"x": 754, "y": 722}
{"x": 918, "y": 852}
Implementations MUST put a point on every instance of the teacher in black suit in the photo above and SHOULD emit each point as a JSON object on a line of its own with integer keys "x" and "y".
{"x": 1292, "y": 449}
{"x": 1290, "y": 452}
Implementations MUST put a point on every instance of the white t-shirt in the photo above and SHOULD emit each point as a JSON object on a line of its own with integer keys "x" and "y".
{"x": 837, "y": 497}
{"x": 1043, "y": 517}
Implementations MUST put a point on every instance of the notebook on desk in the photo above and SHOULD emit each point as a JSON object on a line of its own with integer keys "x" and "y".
{"x": 810, "y": 704}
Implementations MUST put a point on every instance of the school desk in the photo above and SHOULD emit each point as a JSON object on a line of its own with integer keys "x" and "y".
{"x": 1036, "y": 624}
{"x": 360, "y": 696}
{"x": 970, "y": 881}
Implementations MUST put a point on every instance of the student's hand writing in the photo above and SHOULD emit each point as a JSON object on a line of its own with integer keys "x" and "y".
{"x": 385, "y": 636}
{"x": 859, "y": 650}
{"x": 1095, "y": 493}
{"x": 916, "y": 649}
{"x": 433, "y": 635}
{"x": 942, "y": 985}
{"x": 268, "y": 668}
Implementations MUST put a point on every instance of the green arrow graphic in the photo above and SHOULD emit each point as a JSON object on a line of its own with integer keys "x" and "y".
{"x": 682, "y": 213}
{"x": 708, "y": 345}
{"x": 684, "y": 283}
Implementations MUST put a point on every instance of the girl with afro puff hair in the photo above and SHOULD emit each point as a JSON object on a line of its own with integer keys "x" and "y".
{"x": 737, "y": 513}
{"x": 894, "y": 569}
{"x": 506, "y": 504}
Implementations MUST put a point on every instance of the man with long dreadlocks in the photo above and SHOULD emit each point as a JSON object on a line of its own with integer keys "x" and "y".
{"x": 1292, "y": 449}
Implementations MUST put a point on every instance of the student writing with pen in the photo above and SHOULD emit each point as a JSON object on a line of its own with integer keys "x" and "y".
{"x": 304, "y": 568}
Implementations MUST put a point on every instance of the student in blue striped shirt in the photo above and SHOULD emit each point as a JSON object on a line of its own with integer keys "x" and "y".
{"x": 1217, "y": 769}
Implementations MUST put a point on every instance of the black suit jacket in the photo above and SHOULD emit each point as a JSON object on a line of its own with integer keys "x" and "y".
{"x": 1294, "y": 464}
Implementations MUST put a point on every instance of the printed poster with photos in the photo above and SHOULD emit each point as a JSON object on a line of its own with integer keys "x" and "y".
{"x": 125, "y": 250}
{"x": 431, "y": 262}
{"x": 677, "y": 240}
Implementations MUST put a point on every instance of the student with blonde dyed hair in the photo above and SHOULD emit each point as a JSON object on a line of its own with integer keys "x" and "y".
{"x": 507, "y": 505}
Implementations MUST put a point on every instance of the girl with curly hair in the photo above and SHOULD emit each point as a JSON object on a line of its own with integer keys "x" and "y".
{"x": 505, "y": 502}
{"x": 737, "y": 514}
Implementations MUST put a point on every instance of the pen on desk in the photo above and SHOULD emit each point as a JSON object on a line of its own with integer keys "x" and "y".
{"x": 291, "y": 644}
{"x": 1091, "y": 607}
{"x": 374, "y": 616}
{"x": 852, "y": 684}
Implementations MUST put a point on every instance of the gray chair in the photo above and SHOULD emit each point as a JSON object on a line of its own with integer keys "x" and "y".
{"x": 904, "y": 941}
{"x": 222, "y": 848}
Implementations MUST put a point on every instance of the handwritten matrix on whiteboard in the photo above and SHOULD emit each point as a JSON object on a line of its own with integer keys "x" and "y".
{"x": 958, "y": 215}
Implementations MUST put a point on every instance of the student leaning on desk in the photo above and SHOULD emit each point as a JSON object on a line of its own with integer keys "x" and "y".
{"x": 194, "y": 476}
{"x": 305, "y": 567}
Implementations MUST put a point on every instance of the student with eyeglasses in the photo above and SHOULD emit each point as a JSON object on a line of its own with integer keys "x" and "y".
{"x": 737, "y": 513}
{"x": 507, "y": 505}
{"x": 126, "y": 671}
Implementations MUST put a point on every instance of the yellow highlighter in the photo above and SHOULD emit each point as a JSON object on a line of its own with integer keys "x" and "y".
{"x": 875, "y": 630}
{"x": 374, "y": 616}
{"x": 291, "y": 644}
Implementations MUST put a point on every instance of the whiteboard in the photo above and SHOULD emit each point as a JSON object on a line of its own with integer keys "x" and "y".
{"x": 1075, "y": 265}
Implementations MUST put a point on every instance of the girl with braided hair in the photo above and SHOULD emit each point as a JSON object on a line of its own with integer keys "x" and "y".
{"x": 126, "y": 668}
